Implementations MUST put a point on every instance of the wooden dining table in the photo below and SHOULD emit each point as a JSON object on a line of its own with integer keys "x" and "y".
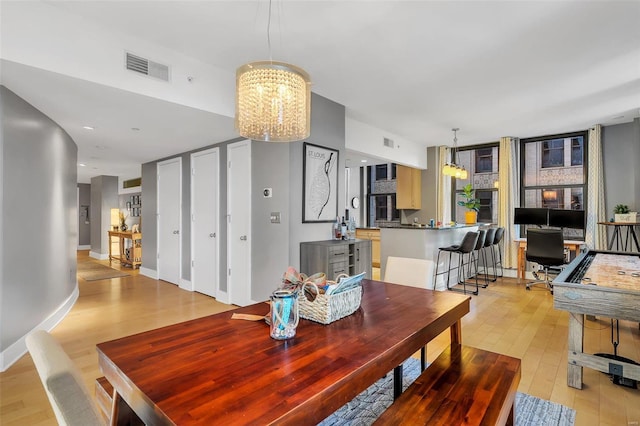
{"x": 219, "y": 370}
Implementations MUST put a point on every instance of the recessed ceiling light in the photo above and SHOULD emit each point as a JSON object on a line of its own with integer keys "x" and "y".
{"x": 82, "y": 165}
{"x": 618, "y": 117}
{"x": 363, "y": 161}
{"x": 87, "y": 127}
{"x": 135, "y": 129}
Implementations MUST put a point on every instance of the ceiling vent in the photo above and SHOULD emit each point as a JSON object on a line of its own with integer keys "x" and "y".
{"x": 388, "y": 142}
{"x": 144, "y": 66}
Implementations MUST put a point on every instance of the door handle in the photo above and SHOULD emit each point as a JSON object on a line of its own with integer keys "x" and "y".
{"x": 243, "y": 238}
{"x": 212, "y": 235}
{"x": 176, "y": 232}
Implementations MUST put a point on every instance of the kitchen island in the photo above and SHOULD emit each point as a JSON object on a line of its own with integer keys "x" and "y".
{"x": 423, "y": 243}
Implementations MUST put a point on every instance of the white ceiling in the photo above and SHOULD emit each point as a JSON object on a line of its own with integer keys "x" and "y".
{"x": 412, "y": 68}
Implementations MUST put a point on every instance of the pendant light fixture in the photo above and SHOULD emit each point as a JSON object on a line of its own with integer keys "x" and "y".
{"x": 452, "y": 169}
{"x": 273, "y": 100}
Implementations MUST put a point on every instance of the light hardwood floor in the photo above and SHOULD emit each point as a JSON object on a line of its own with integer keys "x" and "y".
{"x": 504, "y": 318}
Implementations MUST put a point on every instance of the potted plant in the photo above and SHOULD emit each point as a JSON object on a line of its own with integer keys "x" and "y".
{"x": 471, "y": 203}
{"x": 622, "y": 214}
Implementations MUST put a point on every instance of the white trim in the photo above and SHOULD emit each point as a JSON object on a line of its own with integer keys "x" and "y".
{"x": 99, "y": 256}
{"x": 222, "y": 296}
{"x": 186, "y": 284}
{"x": 85, "y": 247}
{"x": 14, "y": 352}
{"x": 147, "y": 272}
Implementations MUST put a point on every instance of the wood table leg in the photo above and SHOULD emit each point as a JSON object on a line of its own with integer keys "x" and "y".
{"x": 397, "y": 382}
{"x": 521, "y": 261}
{"x": 456, "y": 332}
{"x": 121, "y": 413}
{"x": 576, "y": 339}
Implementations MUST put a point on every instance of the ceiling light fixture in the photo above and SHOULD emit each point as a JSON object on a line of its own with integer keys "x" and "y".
{"x": 87, "y": 127}
{"x": 273, "y": 100}
{"x": 452, "y": 169}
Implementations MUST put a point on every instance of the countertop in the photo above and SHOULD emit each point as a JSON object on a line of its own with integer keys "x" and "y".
{"x": 427, "y": 227}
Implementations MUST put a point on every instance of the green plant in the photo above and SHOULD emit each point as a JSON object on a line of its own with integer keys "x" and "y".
{"x": 621, "y": 209}
{"x": 470, "y": 201}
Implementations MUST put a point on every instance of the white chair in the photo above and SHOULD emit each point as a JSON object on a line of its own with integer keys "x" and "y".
{"x": 69, "y": 397}
{"x": 413, "y": 273}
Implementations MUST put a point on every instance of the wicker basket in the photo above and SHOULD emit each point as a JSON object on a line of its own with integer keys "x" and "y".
{"x": 326, "y": 309}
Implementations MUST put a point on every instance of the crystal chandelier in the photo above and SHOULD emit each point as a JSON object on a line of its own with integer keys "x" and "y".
{"x": 452, "y": 169}
{"x": 273, "y": 100}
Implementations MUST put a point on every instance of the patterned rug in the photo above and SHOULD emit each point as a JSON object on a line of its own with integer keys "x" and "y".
{"x": 92, "y": 271}
{"x": 364, "y": 409}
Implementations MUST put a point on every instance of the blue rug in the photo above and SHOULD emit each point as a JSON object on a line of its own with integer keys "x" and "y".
{"x": 365, "y": 408}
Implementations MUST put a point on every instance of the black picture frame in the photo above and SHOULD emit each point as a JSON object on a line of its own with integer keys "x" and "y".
{"x": 319, "y": 183}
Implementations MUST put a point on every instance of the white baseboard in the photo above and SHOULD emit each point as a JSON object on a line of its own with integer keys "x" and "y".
{"x": 222, "y": 296}
{"x": 14, "y": 352}
{"x": 151, "y": 273}
{"x": 85, "y": 247}
{"x": 98, "y": 256}
{"x": 186, "y": 284}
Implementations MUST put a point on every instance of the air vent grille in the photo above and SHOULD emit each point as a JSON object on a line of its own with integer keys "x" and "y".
{"x": 144, "y": 66}
{"x": 388, "y": 142}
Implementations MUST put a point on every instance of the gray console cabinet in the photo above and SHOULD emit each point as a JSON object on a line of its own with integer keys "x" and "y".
{"x": 334, "y": 257}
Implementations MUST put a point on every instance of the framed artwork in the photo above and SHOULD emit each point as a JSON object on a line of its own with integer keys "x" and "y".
{"x": 319, "y": 184}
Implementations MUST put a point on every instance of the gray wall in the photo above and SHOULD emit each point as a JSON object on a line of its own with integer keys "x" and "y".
{"x": 621, "y": 157}
{"x": 327, "y": 129}
{"x": 84, "y": 215}
{"x": 276, "y": 166}
{"x": 39, "y": 222}
{"x": 104, "y": 197}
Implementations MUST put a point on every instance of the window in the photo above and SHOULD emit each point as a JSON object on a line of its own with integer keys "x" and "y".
{"x": 481, "y": 163}
{"x": 484, "y": 160}
{"x": 381, "y": 172}
{"x": 552, "y": 180}
{"x": 576, "y": 152}
{"x": 553, "y": 153}
{"x": 486, "y": 206}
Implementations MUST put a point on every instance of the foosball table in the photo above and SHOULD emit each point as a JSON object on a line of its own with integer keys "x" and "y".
{"x": 599, "y": 283}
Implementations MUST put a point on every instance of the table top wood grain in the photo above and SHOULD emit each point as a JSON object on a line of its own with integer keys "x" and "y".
{"x": 217, "y": 370}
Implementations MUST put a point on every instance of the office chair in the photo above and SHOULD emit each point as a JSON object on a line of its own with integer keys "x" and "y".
{"x": 546, "y": 248}
{"x": 69, "y": 398}
{"x": 410, "y": 272}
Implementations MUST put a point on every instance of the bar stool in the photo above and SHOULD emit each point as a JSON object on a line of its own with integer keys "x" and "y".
{"x": 477, "y": 252}
{"x": 496, "y": 242}
{"x": 488, "y": 245}
{"x": 467, "y": 245}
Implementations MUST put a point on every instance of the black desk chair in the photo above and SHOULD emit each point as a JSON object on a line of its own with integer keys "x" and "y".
{"x": 546, "y": 248}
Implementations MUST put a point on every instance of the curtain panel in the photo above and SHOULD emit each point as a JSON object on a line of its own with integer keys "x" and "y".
{"x": 508, "y": 197}
{"x": 595, "y": 235}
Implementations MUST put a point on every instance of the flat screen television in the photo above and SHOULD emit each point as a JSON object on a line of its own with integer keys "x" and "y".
{"x": 530, "y": 216}
{"x": 566, "y": 218}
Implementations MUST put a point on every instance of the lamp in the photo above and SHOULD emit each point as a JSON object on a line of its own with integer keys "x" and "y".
{"x": 452, "y": 169}
{"x": 273, "y": 100}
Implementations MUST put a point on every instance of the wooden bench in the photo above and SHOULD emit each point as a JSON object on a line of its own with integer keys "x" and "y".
{"x": 464, "y": 385}
{"x": 104, "y": 395}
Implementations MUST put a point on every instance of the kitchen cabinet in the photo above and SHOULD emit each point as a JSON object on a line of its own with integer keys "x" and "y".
{"x": 335, "y": 257}
{"x": 372, "y": 235}
{"x": 408, "y": 188}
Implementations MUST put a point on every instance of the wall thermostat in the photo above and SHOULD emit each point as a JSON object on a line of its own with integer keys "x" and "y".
{"x": 267, "y": 192}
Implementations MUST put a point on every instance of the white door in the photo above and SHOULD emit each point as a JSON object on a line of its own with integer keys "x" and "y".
{"x": 169, "y": 219}
{"x": 205, "y": 184}
{"x": 239, "y": 222}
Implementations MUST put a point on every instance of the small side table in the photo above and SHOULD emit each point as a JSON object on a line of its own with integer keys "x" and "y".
{"x": 626, "y": 242}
